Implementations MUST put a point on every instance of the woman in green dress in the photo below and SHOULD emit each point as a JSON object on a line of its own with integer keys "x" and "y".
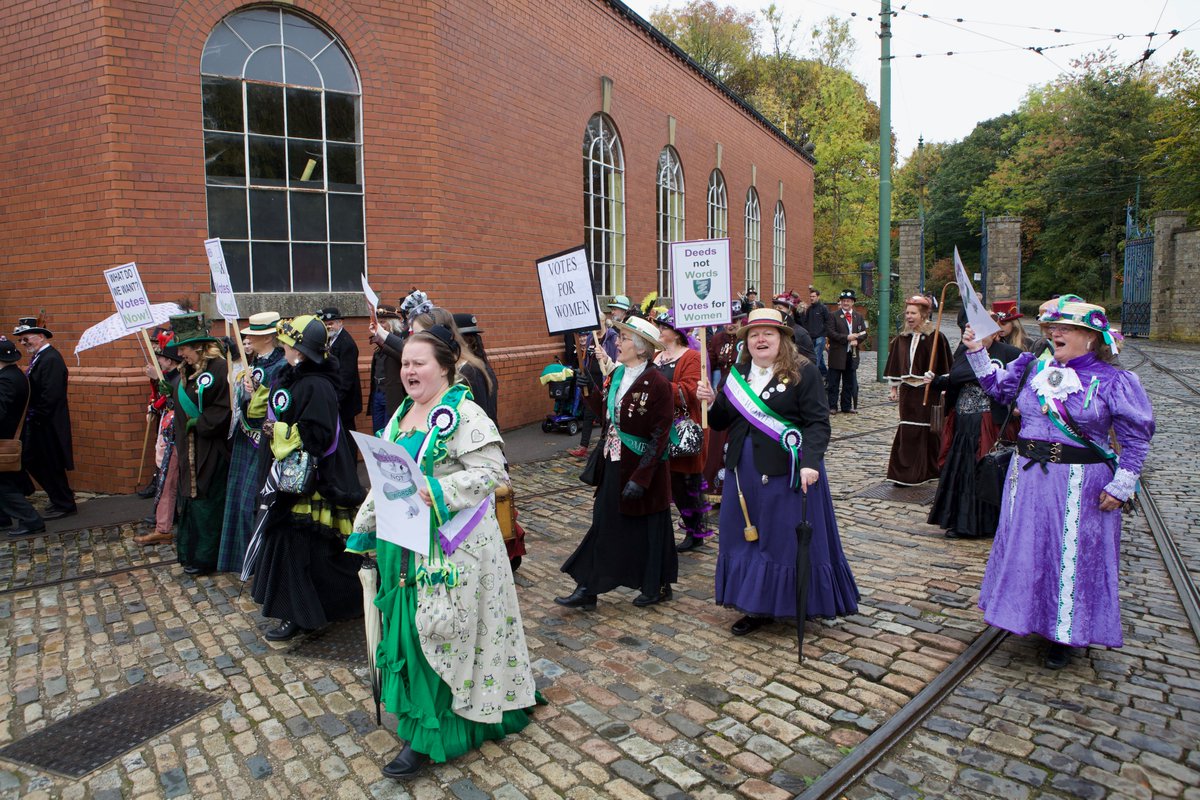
{"x": 453, "y": 661}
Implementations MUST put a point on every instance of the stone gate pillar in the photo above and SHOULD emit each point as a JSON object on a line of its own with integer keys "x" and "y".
{"x": 908, "y": 264}
{"x": 1003, "y": 259}
{"x": 1168, "y": 289}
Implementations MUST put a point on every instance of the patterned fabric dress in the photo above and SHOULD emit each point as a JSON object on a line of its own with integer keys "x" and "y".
{"x": 249, "y": 464}
{"x": 1053, "y": 566}
{"x": 454, "y": 662}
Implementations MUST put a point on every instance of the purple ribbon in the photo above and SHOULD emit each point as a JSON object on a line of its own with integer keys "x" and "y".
{"x": 450, "y": 545}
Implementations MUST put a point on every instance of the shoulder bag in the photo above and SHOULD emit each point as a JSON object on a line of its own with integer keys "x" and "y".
{"x": 687, "y": 437}
{"x": 991, "y": 469}
{"x": 10, "y": 449}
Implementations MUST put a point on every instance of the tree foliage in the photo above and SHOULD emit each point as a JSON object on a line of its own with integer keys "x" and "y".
{"x": 720, "y": 39}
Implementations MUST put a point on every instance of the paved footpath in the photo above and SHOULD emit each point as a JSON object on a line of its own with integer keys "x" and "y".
{"x": 658, "y": 703}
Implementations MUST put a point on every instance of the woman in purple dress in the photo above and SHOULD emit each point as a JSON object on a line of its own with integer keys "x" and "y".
{"x": 1053, "y": 567}
{"x": 773, "y": 405}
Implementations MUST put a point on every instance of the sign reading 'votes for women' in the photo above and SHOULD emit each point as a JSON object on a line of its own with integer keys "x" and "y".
{"x": 566, "y": 281}
{"x": 700, "y": 283}
{"x": 130, "y": 296}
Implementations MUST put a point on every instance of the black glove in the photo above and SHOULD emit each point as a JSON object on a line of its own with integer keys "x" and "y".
{"x": 633, "y": 491}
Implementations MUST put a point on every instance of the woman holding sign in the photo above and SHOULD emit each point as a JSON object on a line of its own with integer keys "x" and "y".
{"x": 302, "y": 576}
{"x": 773, "y": 405}
{"x": 452, "y": 657}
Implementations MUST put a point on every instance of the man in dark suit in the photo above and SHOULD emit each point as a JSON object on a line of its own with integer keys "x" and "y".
{"x": 815, "y": 318}
{"x": 14, "y": 484}
{"x": 345, "y": 350}
{"x": 846, "y": 329}
{"x": 46, "y": 438}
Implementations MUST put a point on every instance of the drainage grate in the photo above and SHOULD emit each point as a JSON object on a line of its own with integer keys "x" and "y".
{"x": 918, "y": 495}
{"x": 342, "y": 641}
{"x": 75, "y": 746}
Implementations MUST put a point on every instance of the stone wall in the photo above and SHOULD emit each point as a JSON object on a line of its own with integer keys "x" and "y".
{"x": 908, "y": 263}
{"x": 1175, "y": 289}
{"x": 1003, "y": 259}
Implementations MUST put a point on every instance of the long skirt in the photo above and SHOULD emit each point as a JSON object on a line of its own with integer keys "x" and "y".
{"x": 714, "y": 465}
{"x": 1054, "y": 565}
{"x": 198, "y": 534}
{"x": 759, "y": 578}
{"x": 304, "y": 573}
{"x": 247, "y": 472}
{"x": 915, "y": 448}
{"x": 687, "y": 492}
{"x": 957, "y": 506}
{"x": 416, "y": 694}
{"x": 622, "y": 550}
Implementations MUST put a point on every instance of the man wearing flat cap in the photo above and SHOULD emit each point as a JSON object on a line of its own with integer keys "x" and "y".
{"x": 345, "y": 350}
{"x": 46, "y": 438}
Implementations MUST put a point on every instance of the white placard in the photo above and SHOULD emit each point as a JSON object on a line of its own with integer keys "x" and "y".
{"x": 226, "y": 302}
{"x": 130, "y": 296}
{"x": 700, "y": 283}
{"x": 980, "y": 320}
{"x": 566, "y": 281}
{"x": 401, "y": 517}
{"x": 372, "y": 298}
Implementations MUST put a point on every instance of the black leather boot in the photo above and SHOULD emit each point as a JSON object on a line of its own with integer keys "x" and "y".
{"x": 151, "y": 488}
{"x": 578, "y": 599}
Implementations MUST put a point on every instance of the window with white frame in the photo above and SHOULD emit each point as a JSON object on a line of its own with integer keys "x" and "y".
{"x": 283, "y": 160}
{"x": 779, "y": 251}
{"x": 604, "y": 204}
{"x": 718, "y": 206}
{"x": 670, "y": 213}
{"x": 753, "y": 238}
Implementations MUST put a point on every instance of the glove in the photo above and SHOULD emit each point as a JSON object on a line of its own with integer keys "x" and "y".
{"x": 633, "y": 491}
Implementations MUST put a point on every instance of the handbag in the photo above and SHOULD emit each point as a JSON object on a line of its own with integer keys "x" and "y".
{"x": 297, "y": 472}
{"x": 687, "y": 437}
{"x": 594, "y": 469}
{"x": 937, "y": 416}
{"x": 991, "y": 469}
{"x": 10, "y": 449}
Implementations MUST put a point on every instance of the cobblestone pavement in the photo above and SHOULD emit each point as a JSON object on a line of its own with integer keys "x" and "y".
{"x": 661, "y": 702}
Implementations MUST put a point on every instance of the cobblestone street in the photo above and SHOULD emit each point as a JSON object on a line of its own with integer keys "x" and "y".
{"x": 661, "y": 702}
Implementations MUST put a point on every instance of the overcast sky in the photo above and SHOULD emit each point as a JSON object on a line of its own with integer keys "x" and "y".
{"x": 943, "y": 97}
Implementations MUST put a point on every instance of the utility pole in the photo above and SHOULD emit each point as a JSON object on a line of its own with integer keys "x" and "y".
{"x": 921, "y": 206}
{"x": 885, "y": 184}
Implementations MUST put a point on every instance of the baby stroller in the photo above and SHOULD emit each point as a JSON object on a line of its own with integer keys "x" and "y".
{"x": 560, "y": 381}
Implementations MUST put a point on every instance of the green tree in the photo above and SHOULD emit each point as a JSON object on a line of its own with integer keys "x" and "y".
{"x": 1173, "y": 163}
{"x": 719, "y": 38}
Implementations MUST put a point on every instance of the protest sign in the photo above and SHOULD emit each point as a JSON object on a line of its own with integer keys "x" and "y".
{"x": 372, "y": 298}
{"x": 226, "y": 302}
{"x": 566, "y": 281}
{"x": 700, "y": 283}
{"x": 979, "y": 318}
{"x": 401, "y": 517}
{"x": 130, "y": 296}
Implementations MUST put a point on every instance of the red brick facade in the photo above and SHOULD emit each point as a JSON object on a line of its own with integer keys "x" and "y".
{"x": 473, "y": 122}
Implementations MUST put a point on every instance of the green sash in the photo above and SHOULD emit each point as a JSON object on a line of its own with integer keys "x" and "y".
{"x": 637, "y": 444}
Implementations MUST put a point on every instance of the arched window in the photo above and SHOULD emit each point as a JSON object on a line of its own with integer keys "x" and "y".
{"x": 670, "y": 213}
{"x": 779, "y": 251}
{"x": 718, "y": 206}
{"x": 283, "y": 153}
{"x": 604, "y": 204}
{"x": 753, "y": 238}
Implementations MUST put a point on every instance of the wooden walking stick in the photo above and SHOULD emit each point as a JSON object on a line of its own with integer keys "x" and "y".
{"x": 937, "y": 330}
{"x": 145, "y": 440}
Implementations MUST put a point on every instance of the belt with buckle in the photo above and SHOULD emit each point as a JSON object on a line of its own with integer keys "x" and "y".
{"x": 1042, "y": 453}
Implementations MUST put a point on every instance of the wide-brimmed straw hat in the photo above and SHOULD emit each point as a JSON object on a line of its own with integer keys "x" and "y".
{"x": 1083, "y": 315}
{"x": 764, "y": 318}
{"x": 262, "y": 324}
{"x": 643, "y": 328}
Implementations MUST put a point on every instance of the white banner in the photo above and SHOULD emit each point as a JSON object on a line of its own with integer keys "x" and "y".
{"x": 700, "y": 283}
{"x": 401, "y": 516}
{"x": 130, "y": 296}
{"x": 226, "y": 302}
{"x": 979, "y": 318}
{"x": 566, "y": 281}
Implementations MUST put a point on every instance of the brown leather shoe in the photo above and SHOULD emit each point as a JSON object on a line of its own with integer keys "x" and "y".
{"x": 158, "y": 537}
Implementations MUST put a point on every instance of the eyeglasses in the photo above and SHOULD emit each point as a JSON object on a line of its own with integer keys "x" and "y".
{"x": 1060, "y": 328}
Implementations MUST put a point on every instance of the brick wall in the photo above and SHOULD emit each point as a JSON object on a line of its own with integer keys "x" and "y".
{"x": 473, "y": 119}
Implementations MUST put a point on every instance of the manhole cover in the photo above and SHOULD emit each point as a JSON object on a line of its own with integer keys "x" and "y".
{"x": 89, "y": 739}
{"x": 918, "y": 495}
{"x": 342, "y": 641}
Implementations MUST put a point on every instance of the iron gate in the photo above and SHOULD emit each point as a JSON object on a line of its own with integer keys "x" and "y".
{"x": 1139, "y": 261}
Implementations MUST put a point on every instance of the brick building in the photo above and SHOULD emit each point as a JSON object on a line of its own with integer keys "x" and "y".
{"x": 434, "y": 144}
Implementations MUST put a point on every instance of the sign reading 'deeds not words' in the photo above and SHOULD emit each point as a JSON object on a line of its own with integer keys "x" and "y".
{"x": 700, "y": 283}
{"x": 566, "y": 281}
{"x": 130, "y": 296}
{"x": 226, "y": 302}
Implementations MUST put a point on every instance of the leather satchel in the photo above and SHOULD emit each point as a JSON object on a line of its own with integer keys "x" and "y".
{"x": 991, "y": 469}
{"x": 937, "y": 416}
{"x": 10, "y": 449}
{"x": 593, "y": 471}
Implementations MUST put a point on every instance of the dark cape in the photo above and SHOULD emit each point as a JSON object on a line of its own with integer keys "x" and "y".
{"x": 47, "y": 434}
{"x": 202, "y": 448}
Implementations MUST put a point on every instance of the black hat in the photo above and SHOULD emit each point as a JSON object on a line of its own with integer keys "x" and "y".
{"x": 30, "y": 325}
{"x": 750, "y": 290}
{"x": 307, "y": 335}
{"x": 847, "y": 294}
{"x": 467, "y": 323}
{"x": 170, "y": 351}
{"x": 9, "y": 352}
{"x": 329, "y": 314}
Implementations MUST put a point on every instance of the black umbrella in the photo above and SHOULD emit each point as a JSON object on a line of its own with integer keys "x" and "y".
{"x": 804, "y": 533}
{"x": 266, "y": 499}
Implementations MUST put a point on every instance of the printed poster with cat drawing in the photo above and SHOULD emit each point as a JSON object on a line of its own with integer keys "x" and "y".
{"x": 401, "y": 516}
